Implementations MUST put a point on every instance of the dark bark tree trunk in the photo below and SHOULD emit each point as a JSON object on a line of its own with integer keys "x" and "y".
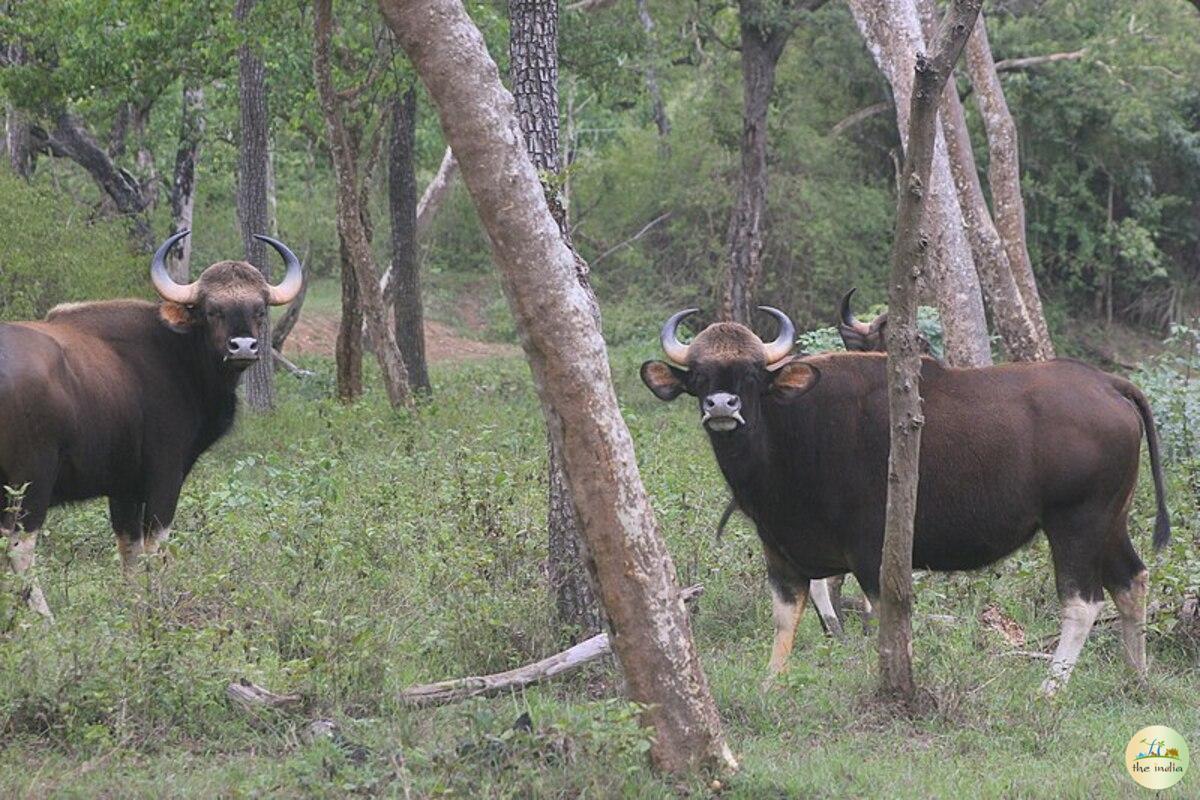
{"x": 350, "y": 217}
{"x": 909, "y": 255}
{"x": 651, "y": 632}
{"x": 404, "y": 289}
{"x": 349, "y": 352}
{"x": 254, "y": 135}
{"x": 533, "y": 62}
{"x": 1004, "y": 176}
{"x": 431, "y": 201}
{"x": 18, "y": 143}
{"x": 183, "y": 185}
{"x": 764, "y": 33}
{"x": 71, "y": 139}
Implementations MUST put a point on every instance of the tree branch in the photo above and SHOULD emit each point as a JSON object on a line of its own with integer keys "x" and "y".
{"x": 645, "y": 229}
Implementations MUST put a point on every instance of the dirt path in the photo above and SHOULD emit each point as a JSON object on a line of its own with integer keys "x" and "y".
{"x": 316, "y": 333}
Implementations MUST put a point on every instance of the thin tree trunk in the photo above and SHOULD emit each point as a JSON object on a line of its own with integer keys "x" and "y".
{"x": 1016, "y": 327}
{"x": 650, "y": 75}
{"x": 254, "y": 133}
{"x": 892, "y": 32}
{"x": 909, "y": 255}
{"x": 183, "y": 185}
{"x": 533, "y": 62}
{"x": 349, "y": 352}
{"x": 404, "y": 293}
{"x": 143, "y": 159}
{"x": 1004, "y": 176}
{"x": 762, "y": 44}
{"x": 350, "y": 222}
{"x": 19, "y": 144}
{"x": 651, "y": 632}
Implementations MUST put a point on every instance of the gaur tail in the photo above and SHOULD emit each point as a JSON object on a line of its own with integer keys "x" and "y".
{"x": 1162, "y": 522}
{"x": 729, "y": 509}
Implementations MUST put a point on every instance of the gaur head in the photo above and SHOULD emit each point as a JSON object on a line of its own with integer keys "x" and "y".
{"x": 730, "y": 371}
{"x": 864, "y": 336}
{"x": 228, "y": 302}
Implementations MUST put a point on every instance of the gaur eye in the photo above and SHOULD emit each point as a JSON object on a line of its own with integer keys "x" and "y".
{"x": 215, "y": 313}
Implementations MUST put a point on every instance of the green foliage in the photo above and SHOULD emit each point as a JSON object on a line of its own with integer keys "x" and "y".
{"x": 51, "y": 253}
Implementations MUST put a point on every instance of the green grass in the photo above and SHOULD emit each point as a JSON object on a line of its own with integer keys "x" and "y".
{"x": 345, "y": 553}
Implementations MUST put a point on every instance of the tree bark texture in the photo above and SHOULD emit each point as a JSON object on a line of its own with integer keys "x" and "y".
{"x": 533, "y": 63}
{"x": 404, "y": 293}
{"x": 651, "y": 633}
{"x": 1004, "y": 176}
{"x": 350, "y": 223}
{"x": 1015, "y": 325}
{"x": 349, "y": 349}
{"x": 909, "y": 255}
{"x": 183, "y": 185}
{"x": 763, "y": 35}
{"x": 254, "y": 137}
{"x": 892, "y": 32}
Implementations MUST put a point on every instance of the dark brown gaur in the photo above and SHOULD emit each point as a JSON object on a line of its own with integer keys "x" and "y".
{"x": 119, "y": 398}
{"x": 868, "y": 337}
{"x": 1006, "y": 451}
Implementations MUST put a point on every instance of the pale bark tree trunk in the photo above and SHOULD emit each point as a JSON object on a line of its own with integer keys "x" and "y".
{"x": 1016, "y": 327}
{"x": 253, "y": 132}
{"x": 909, "y": 255}
{"x": 533, "y": 62}
{"x": 651, "y": 632}
{"x": 350, "y": 225}
{"x": 892, "y": 32}
{"x": 650, "y": 75}
{"x": 404, "y": 293}
{"x": 764, "y": 32}
{"x": 183, "y": 185}
{"x": 1004, "y": 176}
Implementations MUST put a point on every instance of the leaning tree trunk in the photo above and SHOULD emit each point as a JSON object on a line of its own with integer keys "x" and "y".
{"x": 253, "y": 126}
{"x": 909, "y": 256}
{"x": 1004, "y": 176}
{"x": 533, "y": 61}
{"x": 183, "y": 186}
{"x": 651, "y": 632}
{"x": 350, "y": 225}
{"x": 892, "y": 32}
{"x": 762, "y": 44}
{"x": 404, "y": 289}
{"x": 1015, "y": 325}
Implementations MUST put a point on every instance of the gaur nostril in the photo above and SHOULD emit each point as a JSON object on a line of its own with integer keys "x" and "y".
{"x": 734, "y": 402}
{"x": 709, "y": 402}
{"x": 254, "y": 346}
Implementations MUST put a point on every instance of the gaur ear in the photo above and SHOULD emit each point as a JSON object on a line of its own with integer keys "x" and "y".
{"x": 176, "y": 316}
{"x": 667, "y": 382}
{"x": 793, "y": 379}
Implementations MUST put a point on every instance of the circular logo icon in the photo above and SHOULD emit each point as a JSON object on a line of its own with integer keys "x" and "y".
{"x": 1157, "y": 757}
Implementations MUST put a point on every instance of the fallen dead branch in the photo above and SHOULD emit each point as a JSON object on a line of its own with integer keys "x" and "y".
{"x": 253, "y": 697}
{"x": 452, "y": 691}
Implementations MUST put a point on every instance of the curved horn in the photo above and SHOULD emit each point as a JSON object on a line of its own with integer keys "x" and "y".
{"x": 846, "y": 314}
{"x": 782, "y": 346}
{"x": 676, "y": 351}
{"x": 287, "y": 289}
{"x": 167, "y": 288}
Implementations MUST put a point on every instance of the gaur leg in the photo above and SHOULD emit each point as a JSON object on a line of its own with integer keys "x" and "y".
{"x": 789, "y": 595}
{"x": 822, "y": 598}
{"x": 1076, "y": 544}
{"x": 126, "y": 517}
{"x": 160, "y": 510}
{"x": 20, "y": 520}
{"x": 1126, "y": 579}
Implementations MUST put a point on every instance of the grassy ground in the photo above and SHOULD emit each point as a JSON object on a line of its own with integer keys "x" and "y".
{"x": 344, "y": 553}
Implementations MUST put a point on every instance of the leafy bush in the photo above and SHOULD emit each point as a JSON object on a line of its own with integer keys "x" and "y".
{"x": 51, "y": 253}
